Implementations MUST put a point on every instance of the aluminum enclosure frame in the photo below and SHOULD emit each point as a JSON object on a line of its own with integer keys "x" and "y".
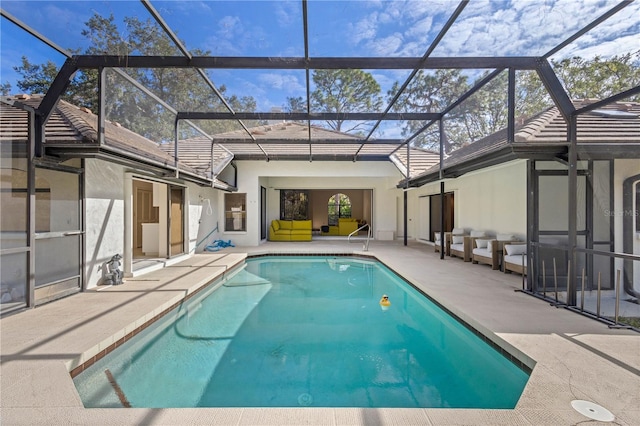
{"x": 540, "y": 64}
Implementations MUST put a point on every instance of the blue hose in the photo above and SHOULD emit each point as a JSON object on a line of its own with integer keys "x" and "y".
{"x": 219, "y": 244}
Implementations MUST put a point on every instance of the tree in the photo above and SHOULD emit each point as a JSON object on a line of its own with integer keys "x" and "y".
{"x": 598, "y": 78}
{"x": 297, "y": 104}
{"x": 5, "y": 89}
{"x": 183, "y": 89}
{"x": 531, "y": 95}
{"x": 431, "y": 92}
{"x": 343, "y": 91}
{"x": 486, "y": 111}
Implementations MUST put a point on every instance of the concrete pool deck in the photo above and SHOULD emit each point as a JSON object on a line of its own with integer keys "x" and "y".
{"x": 576, "y": 358}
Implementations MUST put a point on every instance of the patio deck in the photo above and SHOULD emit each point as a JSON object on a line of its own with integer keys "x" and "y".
{"x": 575, "y": 357}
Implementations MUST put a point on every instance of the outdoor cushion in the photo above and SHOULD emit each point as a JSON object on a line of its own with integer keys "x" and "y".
{"x": 481, "y": 252}
{"x": 301, "y": 224}
{"x": 505, "y": 237}
{"x": 286, "y": 224}
{"x": 515, "y": 249}
{"x": 457, "y": 231}
{"x": 482, "y": 243}
{"x": 478, "y": 234}
{"x": 517, "y": 259}
{"x": 457, "y": 239}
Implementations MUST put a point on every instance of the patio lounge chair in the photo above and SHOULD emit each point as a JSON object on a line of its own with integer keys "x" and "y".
{"x": 490, "y": 251}
{"x": 447, "y": 239}
{"x": 461, "y": 245}
{"x": 515, "y": 258}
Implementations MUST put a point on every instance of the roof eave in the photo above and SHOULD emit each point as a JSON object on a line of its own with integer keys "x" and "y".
{"x": 124, "y": 158}
{"x": 505, "y": 154}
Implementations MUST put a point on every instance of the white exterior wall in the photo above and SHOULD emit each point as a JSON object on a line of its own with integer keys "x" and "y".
{"x": 492, "y": 200}
{"x": 107, "y": 186}
{"x": 203, "y": 218}
{"x": 381, "y": 177}
{"x": 104, "y": 215}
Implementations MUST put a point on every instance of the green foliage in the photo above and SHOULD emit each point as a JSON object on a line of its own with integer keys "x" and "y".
{"x": 486, "y": 111}
{"x": 598, "y": 78}
{"x": 431, "y": 92}
{"x": 183, "y": 89}
{"x": 342, "y": 91}
{"x": 339, "y": 205}
{"x": 297, "y": 104}
{"x": 36, "y": 78}
{"x": 5, "y": 89}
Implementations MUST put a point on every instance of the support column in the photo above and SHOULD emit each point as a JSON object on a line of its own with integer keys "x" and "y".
{"x": 34, "y": 142}
{"x": 573, "y": 209}
{"x": 404, "y": 194}
{"x": 102, "y": 84}
{"x": 441, "y": 176}
{"x": 442, "y": 211}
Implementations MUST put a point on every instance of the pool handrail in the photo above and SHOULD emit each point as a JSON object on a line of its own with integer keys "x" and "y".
{"x": 365, "y": 246}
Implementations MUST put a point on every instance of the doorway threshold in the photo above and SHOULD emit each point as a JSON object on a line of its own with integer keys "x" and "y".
{"x": 144, "y": 265}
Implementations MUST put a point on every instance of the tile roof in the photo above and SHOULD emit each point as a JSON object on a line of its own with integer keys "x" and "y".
{"x": 325, "y": 145}
{"x": 616, "y": 125}
{"x": 420, "y": 160}
{"x": 73, "y": 130}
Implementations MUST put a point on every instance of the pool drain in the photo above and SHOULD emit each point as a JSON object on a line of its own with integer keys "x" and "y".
{"x": 593, "y": 411}
{"x": 304, "y": 399}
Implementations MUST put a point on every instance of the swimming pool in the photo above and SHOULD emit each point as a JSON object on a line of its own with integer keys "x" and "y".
{"x": 305, "y": 331}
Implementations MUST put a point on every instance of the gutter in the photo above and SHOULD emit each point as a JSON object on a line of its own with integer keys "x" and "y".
{"x": 126, "y": 158}
{"x": 504, "y": 154}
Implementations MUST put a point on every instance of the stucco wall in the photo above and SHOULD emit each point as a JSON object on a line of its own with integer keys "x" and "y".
{"x": 204, "y": 225}
{"x": 104, "y": 215}
{"x": 492, "y": 200}
{"x": 106, "y": 189}
{"x": 381, "y": 177}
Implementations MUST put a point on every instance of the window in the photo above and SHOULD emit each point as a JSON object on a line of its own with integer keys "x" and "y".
{"x": 235, "y": 212}
{"x": 339, "y": 206}
{"x": 294, "y": 204}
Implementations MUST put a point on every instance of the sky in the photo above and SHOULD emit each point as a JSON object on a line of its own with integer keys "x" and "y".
{"x": 377, "y": 28}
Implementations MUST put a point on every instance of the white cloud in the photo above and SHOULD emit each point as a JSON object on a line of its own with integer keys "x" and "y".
{"x": 365, "y": 29}
{"x": 386, "y": 46}
{"x": 283, "y": 82}
{"x": 399, "y": 27}
{"x": 229, "y": 26}
{"x": 517, "y": 28}
{"x": 235, "y": 38}
{"x": 421, "y": 28}
{"x": 288, "y": 13}
{"x": 606, "y": 49}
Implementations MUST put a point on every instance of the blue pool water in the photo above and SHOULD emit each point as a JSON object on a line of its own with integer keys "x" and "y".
{"x": 305, "y": 331}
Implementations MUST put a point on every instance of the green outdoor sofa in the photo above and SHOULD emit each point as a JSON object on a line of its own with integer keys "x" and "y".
{"x": 290, "y": 230}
